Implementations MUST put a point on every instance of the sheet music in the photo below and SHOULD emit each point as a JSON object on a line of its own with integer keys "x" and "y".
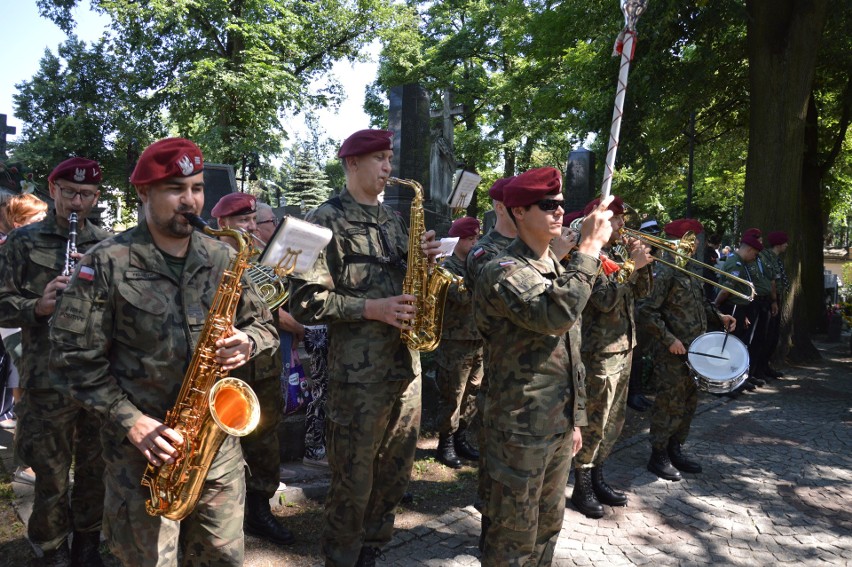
{"x": 464, "y": 189}
{"x": 296, "y": 236}
{"x": 448, "y": 244}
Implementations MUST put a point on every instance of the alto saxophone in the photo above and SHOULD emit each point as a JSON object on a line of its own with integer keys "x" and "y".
{"x": 210, "y": 405}
{"x": 428, "y": 283}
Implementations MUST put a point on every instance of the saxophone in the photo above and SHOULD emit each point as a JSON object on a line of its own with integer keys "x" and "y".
{"x": 428, "y": 283}
{"x": 210, "y": 405}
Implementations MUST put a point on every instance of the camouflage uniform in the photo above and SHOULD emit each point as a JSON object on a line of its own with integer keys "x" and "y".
{"x": 458, "y": 356}
{"x": 676, "y": 309}
{"x": 124, "y": 333}
{"x": 485, "y": 250}
{"x": 373, "y": 407}
{"x": 609, "y": 336}
{"x": 524, "y": 309}
{"x": 775, "y": 266}
{"x": 52, "y": 429}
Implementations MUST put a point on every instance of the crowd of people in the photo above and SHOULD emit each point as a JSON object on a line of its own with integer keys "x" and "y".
{"x": 539, "y": 351}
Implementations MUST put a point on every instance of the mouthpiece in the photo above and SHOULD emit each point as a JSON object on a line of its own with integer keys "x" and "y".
{"x": 195, "y": 221}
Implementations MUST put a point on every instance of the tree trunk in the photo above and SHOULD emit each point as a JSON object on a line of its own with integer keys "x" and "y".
{"x": 783, "y": 40}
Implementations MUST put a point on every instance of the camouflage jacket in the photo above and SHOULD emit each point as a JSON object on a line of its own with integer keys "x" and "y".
{"x": 32, "y": 256}
{"x": 528, "y": 312}
{"x": 458, "y": 322}
{"x": 676, "y": 308}
{"x": 125, "y": 330}
{"x": 775, "y": 265}
{"x": 608, "y": 320}
{"x": 487, "y": 248}
{"x": 768, "y": 268}
{"x": 366, "y": 259}
{"x": 735, "y": 266}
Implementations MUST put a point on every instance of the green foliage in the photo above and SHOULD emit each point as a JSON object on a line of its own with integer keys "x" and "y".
{"x": 306, "y": 185}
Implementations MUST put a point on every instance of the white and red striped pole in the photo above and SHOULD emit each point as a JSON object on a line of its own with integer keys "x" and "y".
{"x": 625, "y": 45}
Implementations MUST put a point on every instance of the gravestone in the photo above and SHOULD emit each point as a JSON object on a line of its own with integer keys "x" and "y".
{"x": 579, "y": 185}
{"x": 442, "y": 165}
{"x": 408, "y": 119}
{"x": 219, "y": 180}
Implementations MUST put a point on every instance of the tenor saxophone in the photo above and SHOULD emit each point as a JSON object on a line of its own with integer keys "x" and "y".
{"x": 210, "y": 406}
{"x": 427, "y": 282}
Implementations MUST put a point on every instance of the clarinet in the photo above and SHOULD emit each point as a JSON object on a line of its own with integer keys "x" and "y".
{"x": 71, "y": 247}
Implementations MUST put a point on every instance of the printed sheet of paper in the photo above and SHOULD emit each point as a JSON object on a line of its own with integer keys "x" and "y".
{"x": 295, "y": 236}
{"x": 464, "y": 189}
{"x": 448, "y": 244}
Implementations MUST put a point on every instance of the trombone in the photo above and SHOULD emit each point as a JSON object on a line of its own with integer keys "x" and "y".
{"x": 683, "y": 250}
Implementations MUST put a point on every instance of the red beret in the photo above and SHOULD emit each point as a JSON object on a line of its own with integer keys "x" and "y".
{"x": 78, "y": 170}
{"x": 568, "y": 218}
{"x": 496, "y": 191}
{"x": 171, "y": 157}
{"x": 617, "y": 206}
{"x": 366, "y": 142}
{"x": 234, "y": 204}
{"x": 532, "y": 186}
{"x": 753, "y": 232}
{"x": 751, "y": 240}
{"x": 464, "y": 227}
{"x": 677, "y": 228}
{"x": 777, "y": 238}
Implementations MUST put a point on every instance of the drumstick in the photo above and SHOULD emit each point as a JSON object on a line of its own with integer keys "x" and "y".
{"x": 709, "y": 355}
{"x": 734, "y": 310}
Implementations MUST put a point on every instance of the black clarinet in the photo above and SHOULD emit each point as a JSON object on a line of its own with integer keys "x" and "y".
{"x": 71, "y": 247}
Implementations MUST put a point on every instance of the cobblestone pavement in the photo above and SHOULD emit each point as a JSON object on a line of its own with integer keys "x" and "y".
{"x": 776, "y": 488}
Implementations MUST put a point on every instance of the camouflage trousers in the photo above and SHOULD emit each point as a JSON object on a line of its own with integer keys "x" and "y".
{"x": 372, "y": 432}
{"x": 458, "y": 376}
{"x": 483, "y": 488}
{"x": 527, "y": 497}
{"x": 676, "y": 400}
{"x": 607, "y": 378}
{"x": 211, "y": 535}
{"x": 261, "y": 448}
{"x": 53, "y": 432}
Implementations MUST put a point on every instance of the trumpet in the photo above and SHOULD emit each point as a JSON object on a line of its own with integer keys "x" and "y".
{"x": 682, "y": 250}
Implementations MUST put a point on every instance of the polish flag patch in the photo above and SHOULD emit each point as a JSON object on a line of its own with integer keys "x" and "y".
{"x": 478, "y": 252}
{"x": 86, "y": 273}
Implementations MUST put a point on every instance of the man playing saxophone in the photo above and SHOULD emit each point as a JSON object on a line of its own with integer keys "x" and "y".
{"x": 373, "y": 407}
{"x": 125, "y": 331}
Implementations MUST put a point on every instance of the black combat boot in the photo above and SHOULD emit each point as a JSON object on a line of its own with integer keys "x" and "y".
{"x": 59, "y": 557}
{"x": 447, "y": 452}
{"x": 368, "y": 556}
{"x": 85, "y": 549}
{"x": 604, "y": 492}
{"x": 681, "y": 461}
{"x": 661, "y": 466}
{"x": 583, "y": 498}
{"x": 463, "y": 448}
{"x": 486, "y": 523}
{"x": 261, "y": 523}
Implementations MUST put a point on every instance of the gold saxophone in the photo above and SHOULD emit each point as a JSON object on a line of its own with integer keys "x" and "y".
{"x": 428, "y": 283}
{"x": 210, "y": 405}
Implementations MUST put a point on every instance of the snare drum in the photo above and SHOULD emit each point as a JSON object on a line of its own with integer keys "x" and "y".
{"x": 718, "y": 370}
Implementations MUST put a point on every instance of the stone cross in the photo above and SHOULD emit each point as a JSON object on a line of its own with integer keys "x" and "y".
{"x": 4, "y": 129}
{"x": 442, "y": 165}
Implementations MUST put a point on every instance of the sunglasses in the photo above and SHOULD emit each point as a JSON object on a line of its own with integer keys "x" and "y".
{"x": 550, "y": 204}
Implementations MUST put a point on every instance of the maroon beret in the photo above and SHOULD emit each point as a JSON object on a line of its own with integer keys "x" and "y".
{"x": 464, "y": 227}
{"x": 496, "y": 191}
{"x": 753, "y": 232}
{"x": 366, "y": 142}
{"x": 171, "y": 157}
{"x": 568, "y": 218}
{"x": 677, "y": 228}
{"x": 78, "y": 170}
{"x": 777, "y": 238}
{"x": 234, "y": 204}
{"x": 751, "y": 240}
{"x": 617, "y": 206}
{"x": 532, "y": 186}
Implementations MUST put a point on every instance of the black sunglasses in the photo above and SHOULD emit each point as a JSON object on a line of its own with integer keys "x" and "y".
{"x": 550, "y": 204}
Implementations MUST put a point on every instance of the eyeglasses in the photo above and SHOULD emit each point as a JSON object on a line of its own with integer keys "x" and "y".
{"x": 273, "y": 221}
{"x": 550, "y": 204}
{"x": 84, "y": 195}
